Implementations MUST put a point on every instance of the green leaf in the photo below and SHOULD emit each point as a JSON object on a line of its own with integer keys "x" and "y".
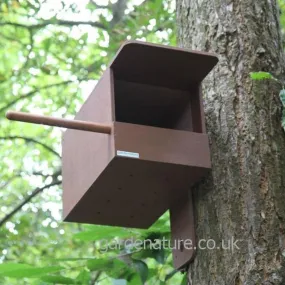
{"x": 99, "y": 264}
{"x": 153, "y": 272}
{"x": 103, "y": 232}
{"x": 261, "y": 75}
{"x": 13, "y": 266}
{"x": 184, "y": 280}
{"x": 83, "y": 277}
{"x": 84, "y": 37}
{"x": 135, "y": 279}
{"x": 72, "y": 259}
{"x": 157, "y": 254}
{"x": 142, "y": 269}
{"x": 47, "y": 43}
{"x": 119, "y": 282}
{"x": 112, "y": 267}
{"x": 119, "y": 269}
{"x": 171, "y": 274}
{"x": 57, "y": 279}
{"x": 28, "y": 271}
{"x": 161, "y": 225}
{"x": 2, "y": 77}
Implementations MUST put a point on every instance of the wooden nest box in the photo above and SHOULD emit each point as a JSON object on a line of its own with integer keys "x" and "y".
{"x": 151, "y": 96}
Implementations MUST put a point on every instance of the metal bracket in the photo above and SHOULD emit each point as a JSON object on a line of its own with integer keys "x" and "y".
{"x": 182, "y": 232}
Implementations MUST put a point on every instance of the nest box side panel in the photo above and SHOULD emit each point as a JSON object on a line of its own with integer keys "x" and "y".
{"x": 85, "y": 154}
{"x": 197, "y": 109}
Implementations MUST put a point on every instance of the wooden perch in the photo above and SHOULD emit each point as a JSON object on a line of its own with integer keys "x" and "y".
{"x": 59, "y": 122}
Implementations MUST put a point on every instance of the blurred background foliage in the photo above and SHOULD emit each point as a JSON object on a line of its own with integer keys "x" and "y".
{"x": 51, "y": 55}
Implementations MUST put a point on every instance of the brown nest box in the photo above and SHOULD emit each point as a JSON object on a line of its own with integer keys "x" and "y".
{"x": 151, "y": 146}
{"x": 157, "y": 149}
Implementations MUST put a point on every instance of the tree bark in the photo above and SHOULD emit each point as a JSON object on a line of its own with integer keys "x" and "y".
{"x": 244, "y": 196}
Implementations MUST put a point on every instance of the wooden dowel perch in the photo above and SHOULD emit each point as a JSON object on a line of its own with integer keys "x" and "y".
{"x": 58, "y": 122}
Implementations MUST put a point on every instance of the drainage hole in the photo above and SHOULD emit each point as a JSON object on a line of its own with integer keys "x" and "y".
{"x": 181, "y": 246}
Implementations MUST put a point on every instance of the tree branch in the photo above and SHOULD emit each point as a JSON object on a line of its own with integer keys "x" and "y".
{"x": 11, "y": 38}
{"x": 6, "y": 183}
{"x": 118, "y": 11}
{"x": 54, "y": 175}
{"x": 96, "y": 277}
{"x": 27, "y": 200}
{"x": 93, "y": 2}
{"x": 31, "y": 38}
{"x": 31, "y": 140}
{"x": 53, "y": 22}
{"x": 31, "y": 93}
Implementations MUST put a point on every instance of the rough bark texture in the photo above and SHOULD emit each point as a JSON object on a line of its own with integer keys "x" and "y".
{"x": 244, "y": 197}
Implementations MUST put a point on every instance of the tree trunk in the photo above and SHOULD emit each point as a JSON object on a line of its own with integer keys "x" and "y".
{"x": 244, "y": 196}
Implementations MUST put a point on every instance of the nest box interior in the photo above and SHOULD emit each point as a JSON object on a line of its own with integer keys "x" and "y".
{"x": 151, "y": 95}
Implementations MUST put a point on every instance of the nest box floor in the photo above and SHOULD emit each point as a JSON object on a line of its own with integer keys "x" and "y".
{"x": 134, "y": 193}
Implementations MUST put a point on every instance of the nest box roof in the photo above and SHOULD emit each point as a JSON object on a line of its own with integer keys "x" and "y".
{"x": 162, "y": 66}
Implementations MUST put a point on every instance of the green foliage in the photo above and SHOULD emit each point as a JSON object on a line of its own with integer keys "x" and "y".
{"x": 24, "y": 270}
{"x": 104, "y": 232}
{"x": 58, "y": 279}
{"x": 49, "y": 62}
{"x": 261, "y": 75}
{"x": 142, "y": 269}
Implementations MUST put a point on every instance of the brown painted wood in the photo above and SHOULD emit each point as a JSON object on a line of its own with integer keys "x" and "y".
{"x": 58, "y": 122}
{"x": 134, "y": 192}
{"x": 182, "y": 231}
{"x": 84, "y": 154}
{"x": 159, "y": 65}
{"x": 163, "y": 145}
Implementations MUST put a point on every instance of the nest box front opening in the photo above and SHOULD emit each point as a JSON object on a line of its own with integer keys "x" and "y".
{"x": 159, "y": 87}
{"x": 155, "y": 106}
